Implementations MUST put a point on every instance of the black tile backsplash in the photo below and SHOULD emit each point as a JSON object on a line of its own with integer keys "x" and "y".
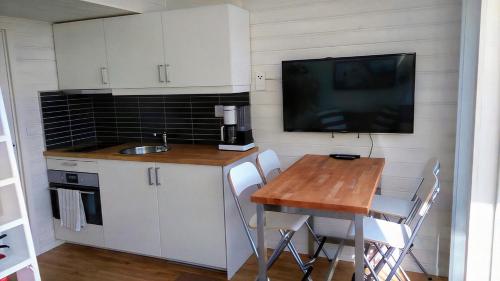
{"x": 70, "y": 120}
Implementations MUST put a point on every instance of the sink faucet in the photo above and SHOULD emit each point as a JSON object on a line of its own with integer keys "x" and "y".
{"x": 163, "y": 137}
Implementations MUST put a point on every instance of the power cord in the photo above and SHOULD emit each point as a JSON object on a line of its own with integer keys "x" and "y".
{"x": 371, "y": 140}
{"x": 371, "y": 147}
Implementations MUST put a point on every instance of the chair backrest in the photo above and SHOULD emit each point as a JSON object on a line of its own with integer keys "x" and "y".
{"x": 421, "y": 214}
{"x": 242, "y": 177}
{"x": 432, "y": 185}
{"x": 432, "y": 168}
{"x": 422, "y": 206}
{"x": 431, "y": 171}
{"x": 268, "y": 164}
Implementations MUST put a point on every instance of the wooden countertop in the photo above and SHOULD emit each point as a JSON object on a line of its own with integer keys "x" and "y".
{"x": 323, "y": 183}
{"x": 180, "y": 153}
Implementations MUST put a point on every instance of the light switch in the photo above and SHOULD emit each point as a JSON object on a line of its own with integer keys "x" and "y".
{"x": 260, "y": 81}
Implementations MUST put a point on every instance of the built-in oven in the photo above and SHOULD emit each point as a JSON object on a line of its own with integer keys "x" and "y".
{"x": 86, "y": 183}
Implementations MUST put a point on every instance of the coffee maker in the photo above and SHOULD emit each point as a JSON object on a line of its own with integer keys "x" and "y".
{"x": 236, "y": 133}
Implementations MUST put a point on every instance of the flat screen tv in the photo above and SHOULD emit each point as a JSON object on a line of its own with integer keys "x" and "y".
{"x": 367, "y": 94}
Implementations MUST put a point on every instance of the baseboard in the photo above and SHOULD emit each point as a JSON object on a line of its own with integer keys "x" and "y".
{"x": 48, "y": 246}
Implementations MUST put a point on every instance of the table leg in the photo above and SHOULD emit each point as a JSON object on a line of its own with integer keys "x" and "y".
{"x": 359, "y": 247}
{"x": 310, "y": 239}
{"x": 260, "y": 244}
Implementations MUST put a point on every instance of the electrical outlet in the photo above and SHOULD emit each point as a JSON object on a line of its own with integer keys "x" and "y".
{"x": 219, "y": 111}
{"x": 260, "y": 81}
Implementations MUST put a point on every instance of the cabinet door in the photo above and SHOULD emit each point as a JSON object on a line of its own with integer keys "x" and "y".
{"x": 134, "y": 47}
{"x": 81, "y": 55}
{"x": 190, "y": 198}
{"x": 129, "y": 207}
{"x": 197, "y": 48}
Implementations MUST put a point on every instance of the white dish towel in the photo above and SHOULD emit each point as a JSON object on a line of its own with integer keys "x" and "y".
{"x": 71, "y": 209}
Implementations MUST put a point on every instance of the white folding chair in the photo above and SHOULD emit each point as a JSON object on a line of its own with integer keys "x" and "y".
{"x": 401, "y": 209}
{"x": 269, "y": 167}
{"x": 397, "y": 236}
{"x": 245, "y": 176}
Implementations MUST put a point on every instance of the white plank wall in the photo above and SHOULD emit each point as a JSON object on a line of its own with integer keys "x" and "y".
{"x": 33, "y": 68}
{"x": 300, "y": 29}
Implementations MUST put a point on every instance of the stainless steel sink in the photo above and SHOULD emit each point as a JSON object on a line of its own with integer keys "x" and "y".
{"x": 140, "y": 150}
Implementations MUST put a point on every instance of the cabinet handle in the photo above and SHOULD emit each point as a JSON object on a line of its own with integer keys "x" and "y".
{"x": 104, "y": 75}
{"x": 166, "y": 73}
{"x": 157, "y": 178}
{"x": 150, "y": 176}
{"x": 161, "y": 73}
{"x": 69, "y": 164}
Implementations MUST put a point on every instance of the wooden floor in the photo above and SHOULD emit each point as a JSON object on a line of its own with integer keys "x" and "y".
{"x": 80, "y": 263}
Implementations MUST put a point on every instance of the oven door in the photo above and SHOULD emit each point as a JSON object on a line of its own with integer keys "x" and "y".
{"x": 91, "y": 201}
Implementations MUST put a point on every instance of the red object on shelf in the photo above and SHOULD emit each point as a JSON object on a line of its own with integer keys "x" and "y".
{"x": 2, "y": 256}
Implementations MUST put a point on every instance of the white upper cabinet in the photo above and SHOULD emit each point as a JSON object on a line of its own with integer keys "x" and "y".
{"x": 189, "y": 51}
{"x": 81, "y": 55}
{"x": 207, "y": 46}
{"x": 134, "y": 46}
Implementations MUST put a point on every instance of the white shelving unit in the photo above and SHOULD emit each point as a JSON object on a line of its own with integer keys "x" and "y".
{"x": 20, "y": 258}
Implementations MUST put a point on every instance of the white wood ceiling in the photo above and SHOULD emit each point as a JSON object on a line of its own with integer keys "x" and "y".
{"x": 180, "y": 4}
{"x": 56, "y": 10}
{"x": 71, "y": 10}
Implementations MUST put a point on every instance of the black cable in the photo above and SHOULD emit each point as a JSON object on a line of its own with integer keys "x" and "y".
{"x": 371, "y": 147}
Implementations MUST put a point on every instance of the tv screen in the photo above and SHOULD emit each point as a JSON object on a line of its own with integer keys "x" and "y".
{"x": 368, "y": 94}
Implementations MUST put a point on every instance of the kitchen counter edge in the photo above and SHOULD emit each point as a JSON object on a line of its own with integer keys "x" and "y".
{"x": 195, "y": 154}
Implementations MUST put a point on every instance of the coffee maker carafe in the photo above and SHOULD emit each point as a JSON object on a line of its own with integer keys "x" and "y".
{"x": 228, "y": 130}
{"x": 236, "y": 133}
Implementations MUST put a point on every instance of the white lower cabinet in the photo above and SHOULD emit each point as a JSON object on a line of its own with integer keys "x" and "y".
{"x": 175, "y": 211}
{"x": 191, "y": 204}
{"x": 129, "y": 207}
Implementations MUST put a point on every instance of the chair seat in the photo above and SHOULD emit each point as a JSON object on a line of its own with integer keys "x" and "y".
{"x": 391, "y": 206}
{"x": 277, "y": 220}
{"x": 385, "y": 232}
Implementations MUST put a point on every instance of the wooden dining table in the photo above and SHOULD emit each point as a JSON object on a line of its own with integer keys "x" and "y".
{"x": 321, "y": 186}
